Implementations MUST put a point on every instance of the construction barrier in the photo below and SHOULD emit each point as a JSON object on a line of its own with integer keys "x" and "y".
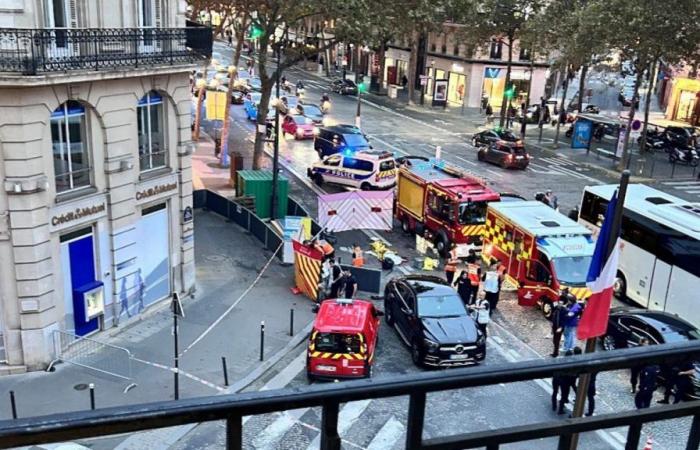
{"x": 307, "y": 269}
{"x": 368, "y": 280}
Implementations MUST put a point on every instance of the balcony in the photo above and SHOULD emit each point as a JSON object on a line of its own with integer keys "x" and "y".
{"x": 47, "y": 51}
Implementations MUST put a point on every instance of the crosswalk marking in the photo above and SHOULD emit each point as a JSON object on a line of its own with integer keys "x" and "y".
{"x": 680, "y": 183}
{"x": 268, "y": 438}
{"x": 387, "y": 436}
{"x": 347, "y": 416}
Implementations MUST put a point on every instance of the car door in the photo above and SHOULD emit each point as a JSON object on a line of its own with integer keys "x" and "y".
{"x": 403, "y": 311}
{"x": 491, "y": 137}
{"x": 633, "y": 330}
{"x": 535, "y": 282}
{"x": 495, "y": 153}
{"x": 331, "y": 168}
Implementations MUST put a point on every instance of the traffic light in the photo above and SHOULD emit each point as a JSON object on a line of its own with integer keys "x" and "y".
{"x": 361, "y": 85}
{"x": 510, "y": 91}
{"x": 255, "y": 31}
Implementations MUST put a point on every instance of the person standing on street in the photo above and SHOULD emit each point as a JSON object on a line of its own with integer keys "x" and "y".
{"x": 349, "y": 285}
{"x": 491, "y": 286}
{"x": 358, "y": 260}
{"x": 464, "y": 287}
{"x": 336, "y": 278}
{"x": 483, "y": 314}
{"x": 561, "y": 386}
{"x": 634, "y": 371}
{"x": 474, "y": 273}
{"x": 573, "y": 315}
{"x": 451, "y": 264}
{"x": 647, "y": 386}
{"x": 552, "y": 199}
{"x": 680, "y": 378}
{"x": 591, "y": 394}
{"x": 558, "y": 318}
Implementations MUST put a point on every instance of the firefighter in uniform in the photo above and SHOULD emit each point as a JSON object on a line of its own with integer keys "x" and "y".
{"x": 474, "y": 274}
{"x": 451, "y": 264}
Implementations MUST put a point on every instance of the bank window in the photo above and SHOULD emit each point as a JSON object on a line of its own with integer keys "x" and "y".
{"x": 152, "y": 151}
{"x": 71, "y": 161}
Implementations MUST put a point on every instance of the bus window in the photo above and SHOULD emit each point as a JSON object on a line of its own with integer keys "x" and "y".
{"x": 593, "y": 208}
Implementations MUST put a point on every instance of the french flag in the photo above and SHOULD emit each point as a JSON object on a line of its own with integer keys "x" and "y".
{"x": 600, "y": 280}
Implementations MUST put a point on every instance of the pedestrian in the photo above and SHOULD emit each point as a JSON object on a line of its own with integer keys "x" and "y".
{"x": 464, "y": 287}
{"x": 647, "y": 386}
{"x": 678, "y": 381}
{"x": 229, "y": 37}
{"x": 336, "y": 278}
{"x": 489, "y": 113}
{"x": 140, "y": 290}
{"x": 573, "y": 315}
{"x": 474, "y": 274}
{"x": 451, "y": 264}
{"x": 491, "y": 285}
{"x": 349, "y": 285}
{"x": 124, "y": 299}
{"x": 561, "y": 386}
{"x": 358, "y": 259}
{"x": 404, "y": 81}
{"x": 482, "y": 309}
{"x": 552, "y": 199}
{"x": 558, "y": 319}
{"x": 634, "y": 371}
{"x": 591, "y": 393}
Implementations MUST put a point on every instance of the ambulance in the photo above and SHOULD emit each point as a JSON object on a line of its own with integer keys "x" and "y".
{"x": 541, "y": 251}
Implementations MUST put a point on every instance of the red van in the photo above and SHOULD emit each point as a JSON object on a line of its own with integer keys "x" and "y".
{"x": 343, "y": 340}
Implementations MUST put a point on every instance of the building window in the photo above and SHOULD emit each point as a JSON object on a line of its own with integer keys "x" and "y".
{"x": 524, "y": 54}
{"x": 152, "y": 151}
{"x": 432, "y": 47}
{"x": 456, "y": 50}
{"x": 496, "y": 49}
{"x": 71, "y": 160}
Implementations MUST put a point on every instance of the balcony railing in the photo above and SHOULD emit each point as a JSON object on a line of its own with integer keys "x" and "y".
{"x": 51, "y": 50}
{"x": 232, "y": 408}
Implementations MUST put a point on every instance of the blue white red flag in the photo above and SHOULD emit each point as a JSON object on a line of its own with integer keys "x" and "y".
{"x": 600, "y": 280}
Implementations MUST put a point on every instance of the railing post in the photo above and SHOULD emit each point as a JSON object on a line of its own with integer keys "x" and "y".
{"x": 633, "y": 434}
{"x": 414, "y": 423}
{"x": 329, "y": 427}
{"x": 694, "y": 435}
{"x": 564, "y": 442}
{"x": 234, "y": 432}
{"x": 136, "y": 47}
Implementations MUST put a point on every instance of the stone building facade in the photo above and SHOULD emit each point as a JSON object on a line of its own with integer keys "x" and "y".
{"x": 95, "y": 144}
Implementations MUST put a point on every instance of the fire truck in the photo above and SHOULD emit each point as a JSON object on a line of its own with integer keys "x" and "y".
{"x": 541, "y": 250}
{"x": 444, "y": 203}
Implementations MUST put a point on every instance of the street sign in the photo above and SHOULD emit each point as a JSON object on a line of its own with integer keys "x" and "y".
{"x": 636, "y": 124}
{"x": 423, "y": 81}
{"x": 492, "y": 72}
{"x": 187, "y": 214}
{"x": 176, "y": 306}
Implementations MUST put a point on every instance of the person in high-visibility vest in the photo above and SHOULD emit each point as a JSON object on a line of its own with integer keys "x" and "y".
{"x": 492, "y": 286}
{"x": 451, "y": 264}
{"x": 325, "y": 248}
{"x": 474, "y": 274}
{"x": 358, "y": 259}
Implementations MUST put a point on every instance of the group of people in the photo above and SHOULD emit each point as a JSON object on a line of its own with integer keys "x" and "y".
{"x": 563, "y": 384}
{"x": 566, "y": 313}
{"x": 479, "y": 290}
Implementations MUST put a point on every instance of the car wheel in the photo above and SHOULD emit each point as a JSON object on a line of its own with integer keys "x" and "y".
{"x": 620, "y": 286}
{"x": 693, "y": 162}
{"x": 547, "y": 308}
{"x": 318, "y": 179}
{"x": 406, "y": 225}
{"x": 365, "y": 186}
{"x": 504, "y": 164}
{"x": 609, "y": 343}
{"x": 416, "y": 355}
{"x": 388, "y": 315}
{"x": 480, "y": 155}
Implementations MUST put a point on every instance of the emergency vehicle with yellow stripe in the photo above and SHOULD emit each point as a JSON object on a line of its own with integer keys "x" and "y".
{"x": 542, "y": 251}
{"x": 444, "y": 203}
{"x": 343, "y": 340}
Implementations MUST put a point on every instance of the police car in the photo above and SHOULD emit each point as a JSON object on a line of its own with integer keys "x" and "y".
{"x": 365, "y": 169}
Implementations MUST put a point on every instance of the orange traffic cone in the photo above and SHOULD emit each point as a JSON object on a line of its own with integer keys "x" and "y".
{"x": 648, "y": 444}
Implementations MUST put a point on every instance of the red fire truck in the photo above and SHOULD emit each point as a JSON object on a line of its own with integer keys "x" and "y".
{"x": 444, "y": 203}
{"x": 542, "y": 251}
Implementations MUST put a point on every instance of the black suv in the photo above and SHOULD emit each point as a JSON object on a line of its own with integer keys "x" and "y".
{"x": 332, "y": 140}
{"x": 430, "y": 318}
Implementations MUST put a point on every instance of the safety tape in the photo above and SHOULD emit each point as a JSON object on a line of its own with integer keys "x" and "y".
{"x": 182, "y": 372}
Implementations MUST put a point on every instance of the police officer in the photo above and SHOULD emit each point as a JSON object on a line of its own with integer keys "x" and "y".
{"x": 562, "y": 384}
{"x": 634, "y": 371}
{"x": 647, "y": 385}
{"x": 558, "y": 318}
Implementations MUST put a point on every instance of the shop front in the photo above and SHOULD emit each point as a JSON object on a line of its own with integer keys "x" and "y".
{"x": 456, "y": 86}
{"x": 684, "y": 104}
{"x": 495, "y": 84}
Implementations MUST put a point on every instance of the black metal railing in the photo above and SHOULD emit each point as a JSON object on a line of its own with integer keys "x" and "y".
{"x": 232, "y": 408}
{"x": 36, "y": 51}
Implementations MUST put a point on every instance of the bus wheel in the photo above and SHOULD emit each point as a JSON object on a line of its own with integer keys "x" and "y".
{"x": 547, "y": 308}
{"x": 620, "y": 286}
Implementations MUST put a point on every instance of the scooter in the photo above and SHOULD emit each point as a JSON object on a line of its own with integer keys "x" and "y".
{"x": 685, "y": 155}
{"x": 325, "y": 106}
{"x": 300, "y": 92}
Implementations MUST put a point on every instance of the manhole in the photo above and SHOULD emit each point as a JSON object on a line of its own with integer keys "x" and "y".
{"x": 80, "y": 387}
{"x": 216, "y": 258}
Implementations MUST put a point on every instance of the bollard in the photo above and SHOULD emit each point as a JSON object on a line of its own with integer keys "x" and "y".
{"x": 92, "y": 395}
{"x": 262, "y": 339}
{"x": 13, "y": 404}
{"x": 291, "y": 321}
{"x": 223, "y": 363}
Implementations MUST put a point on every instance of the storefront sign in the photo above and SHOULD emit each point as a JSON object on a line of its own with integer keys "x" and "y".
{"x": 152, "y": 192}
{"x": 156, "y": 189}
{"x": 492, "y": 72}
{"x": 78, "y": 213}
{"x": 75, "y": 213}
{"x": 457, "y": 67}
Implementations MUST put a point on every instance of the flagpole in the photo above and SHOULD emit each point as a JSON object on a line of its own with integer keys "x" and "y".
{"x": 584, "y": 379}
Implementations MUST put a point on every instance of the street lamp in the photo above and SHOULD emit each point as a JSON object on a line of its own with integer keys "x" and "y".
{"x": 361, "y": 87}
{"x": 223, "y": 157}
{"x": 200, "y": 85}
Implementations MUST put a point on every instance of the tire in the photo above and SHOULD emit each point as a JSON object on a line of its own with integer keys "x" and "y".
{"x": 442, "y": 244}
{"x": 406, "y": 226}
{"x": 547, "y": 308}
{"x": 608, "y": 343}
{"x": 318, "y": 179}
{"x": 693, "y": 162}
{"x": 480, "y": 156}
{"x": 388, "y": 315}
{"x": 503, "y": 164}
{"x": 416, "y": 355}
{"x": 366, "y": 186}
{"x": 620, "y": 286}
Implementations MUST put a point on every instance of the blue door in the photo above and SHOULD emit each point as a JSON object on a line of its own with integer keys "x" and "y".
{"x": 82, "y": 275}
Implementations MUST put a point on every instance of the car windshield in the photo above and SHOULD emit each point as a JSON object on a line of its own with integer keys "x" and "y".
{"x": 440, "y": 306}
{"x": 507, "y": 136}
{"x": 355, "y": 140}
{"x": 572, "y": 269}
{"x": 387, "y": 165}
{"x": 337, "y": 343}
{"x": 301, "y": 120}
{"x": 472, "y": 213}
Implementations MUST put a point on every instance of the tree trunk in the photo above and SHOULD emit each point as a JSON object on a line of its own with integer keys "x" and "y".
{"x": 261, "y": 116}
{"x": 380, "y": 75}
{"x": 562, "y": 108}
{"x": 504, "y": 103}
{"x": 622, "y": 165}
{"x": 240, "y": 38}
{"x": 412, "y": 67}
{"x": 581, "y": 87}
{"x": 647, "y": 103}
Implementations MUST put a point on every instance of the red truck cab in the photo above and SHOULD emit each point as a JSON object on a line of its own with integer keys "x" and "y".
{"x": 343, "y": 340}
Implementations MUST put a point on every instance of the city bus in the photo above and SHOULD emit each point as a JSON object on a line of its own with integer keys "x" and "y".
{"x": 659, "y": 265}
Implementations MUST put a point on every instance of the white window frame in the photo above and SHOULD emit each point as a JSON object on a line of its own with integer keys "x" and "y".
{"x": 147, "y": 128}
{"x": 64, "y": 145}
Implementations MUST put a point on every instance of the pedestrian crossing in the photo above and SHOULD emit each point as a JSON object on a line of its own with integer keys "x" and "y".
{"x": 690, "y": 186}
{"x": 560, "y": 165}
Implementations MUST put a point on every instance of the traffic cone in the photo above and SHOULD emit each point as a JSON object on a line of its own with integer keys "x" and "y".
{"x": 648, "y": 444}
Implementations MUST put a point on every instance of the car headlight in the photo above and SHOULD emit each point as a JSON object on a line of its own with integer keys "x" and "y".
{"x": 431, "y": 346}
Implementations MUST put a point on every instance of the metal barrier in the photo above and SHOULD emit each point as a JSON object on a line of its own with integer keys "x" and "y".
{"x": 94, "y": 355}
{"x": 232, "y": 408}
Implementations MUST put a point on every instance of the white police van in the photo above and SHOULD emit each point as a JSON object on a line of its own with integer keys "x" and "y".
{"x": 364, "y": 169}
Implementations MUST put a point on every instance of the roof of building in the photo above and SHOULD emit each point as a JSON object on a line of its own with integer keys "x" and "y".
{"x": 539, "y": 219}
{"x": 342, "y": 315}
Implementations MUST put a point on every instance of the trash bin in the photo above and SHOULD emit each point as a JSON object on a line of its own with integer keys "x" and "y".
{"x": 393, "y": 91}
{"x": 236, "y": 165}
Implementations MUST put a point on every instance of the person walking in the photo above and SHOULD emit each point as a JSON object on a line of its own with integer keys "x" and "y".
{"x": 336, "y": 278}
{"x": 349, "y": 285}
{"x": 590, "y": 395}
{"x": 561, "y": 386}
{"x": 464, "y": 287}
{"x": 634, "y": 371}
{"x": 451, "y": 264}
{"x": 482, "y": 309}
{"x": 492, "y": 286}
{"x": 573, "y": 315}
{"x": 647, "y": 386}
{"x": 489, "y": 113}
{"x": 558, "y": 318}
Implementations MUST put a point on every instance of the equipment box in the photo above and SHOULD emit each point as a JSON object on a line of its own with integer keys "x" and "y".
{"x": 258, "y": 184}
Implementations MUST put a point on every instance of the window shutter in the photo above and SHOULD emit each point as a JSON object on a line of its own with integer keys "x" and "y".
{"x": 73, "y": 14}
{"x": 158, "y": 13}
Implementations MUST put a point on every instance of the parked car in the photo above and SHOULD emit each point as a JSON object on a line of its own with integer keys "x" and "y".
{"x": 343, "y": 87}
{"x": 343, "y": 340}
{"x": 505, "y": 156}
{"x": 627, "y": 326}
{"x": 331, "y": 140}
{"x": 367, "y": 170}
{"x": 432, "y": 320}
{"x": 300, "y": 127}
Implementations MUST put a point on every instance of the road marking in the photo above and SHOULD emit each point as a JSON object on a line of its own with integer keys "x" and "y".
{"x": 494, "y": 172}
{"x": 267, "y": 438}
{"x": 347, "y": 416}
{"x": 387, "y": 436}
{"x": 675, "y": 183}
{"x": 286, "y": 375}
{"x": 393, "y": 147}
{"x": 465, "y": 160}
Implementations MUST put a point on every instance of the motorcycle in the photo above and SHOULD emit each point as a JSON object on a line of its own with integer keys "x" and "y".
{"x": 683, "y": 155}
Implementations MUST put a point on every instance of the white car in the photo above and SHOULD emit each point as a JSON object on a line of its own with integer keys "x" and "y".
{"x": 365, "y": 169}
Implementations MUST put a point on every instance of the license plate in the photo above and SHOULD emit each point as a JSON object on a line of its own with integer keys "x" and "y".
{"x": 458, "y": 357}
{"x": 519, "y": 157}
{"x": 326, "y": 368}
